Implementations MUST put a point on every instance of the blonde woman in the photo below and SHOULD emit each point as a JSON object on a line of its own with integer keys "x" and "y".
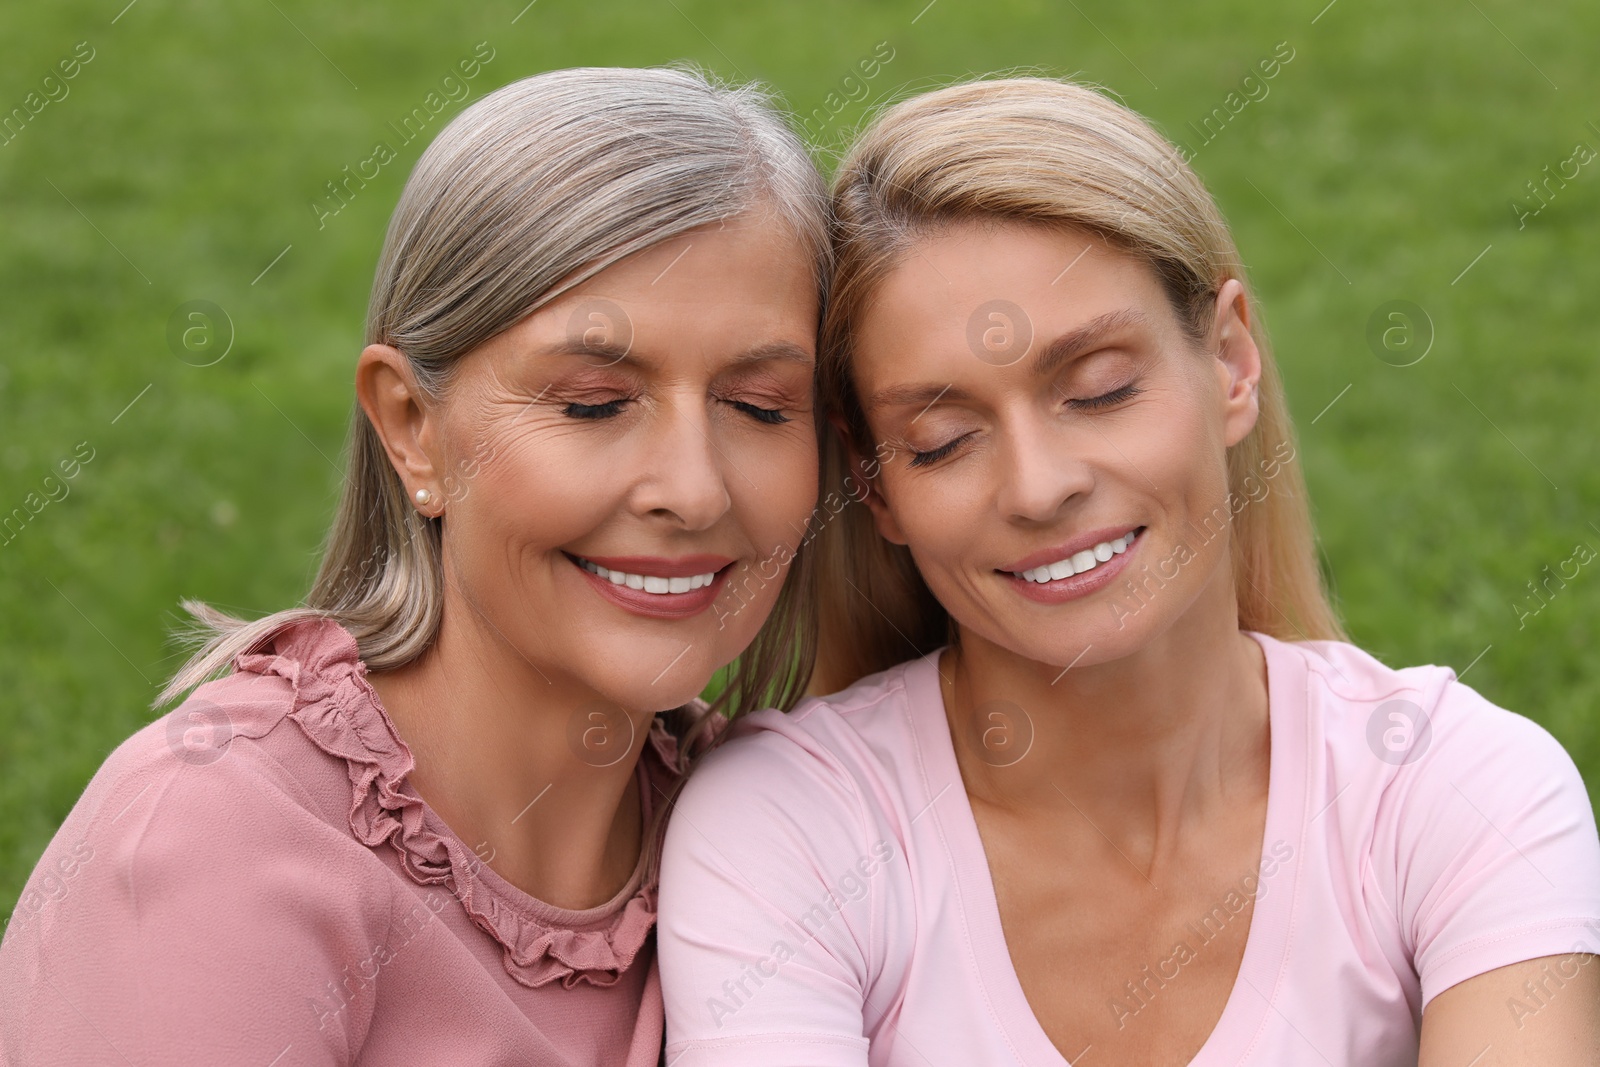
{"x": 1115, "y": 789}
{"x": 416, "y": 820}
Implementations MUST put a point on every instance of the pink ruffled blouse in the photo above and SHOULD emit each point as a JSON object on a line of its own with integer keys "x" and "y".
{"x": 251, "y": 880}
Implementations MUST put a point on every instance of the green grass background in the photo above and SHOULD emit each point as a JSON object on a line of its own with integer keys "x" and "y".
{"x": 1384, "y": 159}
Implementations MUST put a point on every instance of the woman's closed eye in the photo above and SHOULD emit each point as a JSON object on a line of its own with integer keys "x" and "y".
{"x": 595, "y": 411}
{"x": 1104, "y": 400}
{"x": 612, "y": 408}
{"x": 1091, "y": 403}
{"x": 934, "y": 455}
{"x": 770, "y": 416}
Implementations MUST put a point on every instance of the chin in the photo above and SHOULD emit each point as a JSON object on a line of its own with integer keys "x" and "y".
{"x": 639, "y": 695}
{"x": 1079, "y": 647}
{"x": 1092, "y": 631}
{"x": 651, "y": 673}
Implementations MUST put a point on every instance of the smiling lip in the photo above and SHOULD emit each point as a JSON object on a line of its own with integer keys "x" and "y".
{"x": 1076, "y": 585}
{"x": 1069, "y": 548}
{"x": 660, "y": 566}
{"x": 657, "y": 605}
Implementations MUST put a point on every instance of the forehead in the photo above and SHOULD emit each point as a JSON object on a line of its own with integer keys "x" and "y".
{"x": 756, "y": 252}
{"x": 1051, "y": 272}
{"x": 722, "y": 291}
{"x": 958, "y": 298}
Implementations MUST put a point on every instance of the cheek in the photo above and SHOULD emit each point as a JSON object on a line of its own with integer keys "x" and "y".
{"x": 772, "y": 487}
{"x": 941, "y": 517}
{"x": 1185, "y": 455}
{"x": 773, "y": 504}
{"x": 1177, "y": 446}
{"x": 924, "y": 519}
{"x": 530, "y": 491}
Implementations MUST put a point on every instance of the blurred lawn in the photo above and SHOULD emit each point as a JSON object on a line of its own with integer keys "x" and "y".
{"x": 183, "y": 164}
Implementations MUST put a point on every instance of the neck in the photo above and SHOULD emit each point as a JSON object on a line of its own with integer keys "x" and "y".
{"x": 489, "y": 732}
{"x": 1145, "y": 746}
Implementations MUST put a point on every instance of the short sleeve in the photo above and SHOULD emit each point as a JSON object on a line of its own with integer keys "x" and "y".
{"x": 191, "y": 913}
{"x": 1496, "y": 855}
{"x": 771, "y": 888}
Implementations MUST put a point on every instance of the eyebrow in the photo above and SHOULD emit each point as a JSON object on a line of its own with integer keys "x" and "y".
{"x": 1076, "y": 342}
{"x": 612, "y": 354}
{"x": 773, "y": 351}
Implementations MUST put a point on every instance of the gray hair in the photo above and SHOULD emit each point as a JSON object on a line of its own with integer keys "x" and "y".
{"x": 527, "y": 193}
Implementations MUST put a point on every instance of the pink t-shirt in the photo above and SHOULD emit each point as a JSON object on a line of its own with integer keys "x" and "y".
{"x": 826, "y": 901}
{"x": 251, "y": 880}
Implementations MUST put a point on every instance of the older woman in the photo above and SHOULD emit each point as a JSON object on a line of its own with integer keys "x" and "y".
{"x": 1133, "y": 799}
{"x": 417, "y": 819}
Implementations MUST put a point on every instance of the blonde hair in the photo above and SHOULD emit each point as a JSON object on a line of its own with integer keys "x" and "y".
{"x": 530, "y": 191}
{"x": 1054, "y": 153}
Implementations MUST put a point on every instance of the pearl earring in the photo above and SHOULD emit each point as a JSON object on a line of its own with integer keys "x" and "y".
{"x": 423, "y": 497}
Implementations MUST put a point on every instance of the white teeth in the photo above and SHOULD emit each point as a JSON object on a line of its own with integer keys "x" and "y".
{"x": 648, "y": 582}
{"x": 1079, "y": 562}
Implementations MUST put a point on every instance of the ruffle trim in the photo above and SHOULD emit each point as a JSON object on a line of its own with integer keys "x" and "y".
{"x": 340, "y": 712}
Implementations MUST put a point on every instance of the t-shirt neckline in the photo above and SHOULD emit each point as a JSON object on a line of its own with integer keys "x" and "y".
{"x": 1249, "y": 1003}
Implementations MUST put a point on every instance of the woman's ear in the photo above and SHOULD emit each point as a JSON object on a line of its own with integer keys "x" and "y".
{"x": 867, "y": 473}
{"x": 388, "y": 392}
{"x": 1238, "y": 363}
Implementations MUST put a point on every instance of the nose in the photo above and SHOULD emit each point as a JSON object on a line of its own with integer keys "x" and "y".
{"x": 1040, "y": 470}
{"x": 684, "y": 471}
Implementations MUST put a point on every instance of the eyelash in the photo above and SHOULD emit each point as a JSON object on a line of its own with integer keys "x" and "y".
{"x": 611, "y": 408}
{"x": 770, "y": 416}
{"x": 922, "y": 459}
{"x": 1105, "y": 400}
{"x": 595, "y": 411}
{"x": 1093, "y": 403}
